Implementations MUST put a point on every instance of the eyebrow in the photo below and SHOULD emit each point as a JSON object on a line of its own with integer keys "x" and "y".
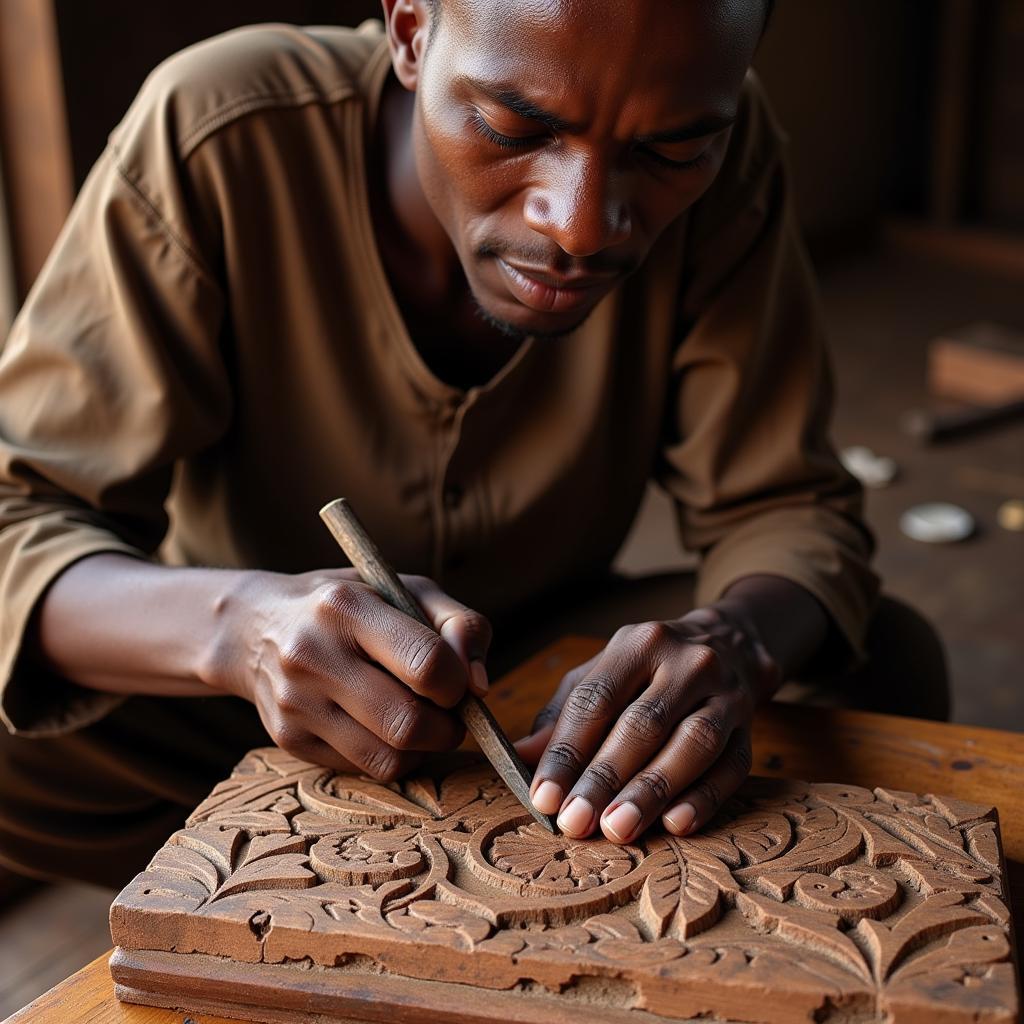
{"x": 708, "y": 125}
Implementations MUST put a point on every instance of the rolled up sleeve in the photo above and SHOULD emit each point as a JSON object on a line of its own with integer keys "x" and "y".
{"x": 747, "y": 456}
{"x": 111, "y": 372}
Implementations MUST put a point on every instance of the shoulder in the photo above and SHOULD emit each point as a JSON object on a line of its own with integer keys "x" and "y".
{"x": 751, "y": 187}
{"x": 200, "y": 90}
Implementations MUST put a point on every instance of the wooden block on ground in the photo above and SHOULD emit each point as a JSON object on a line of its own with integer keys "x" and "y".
{"x": 982, "y": 363}
{"x": 298, "y": 894}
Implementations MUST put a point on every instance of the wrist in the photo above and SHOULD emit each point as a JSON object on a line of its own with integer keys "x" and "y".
{"x": 233, "y": 611}
{"x": 731, "y": 625}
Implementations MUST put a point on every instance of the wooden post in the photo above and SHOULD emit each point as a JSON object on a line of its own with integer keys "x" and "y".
{"x": 33, "y": 135}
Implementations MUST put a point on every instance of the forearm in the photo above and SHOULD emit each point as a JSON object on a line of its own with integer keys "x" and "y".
{"x": 115, "y": 623}
{"x": 788, "y": 620}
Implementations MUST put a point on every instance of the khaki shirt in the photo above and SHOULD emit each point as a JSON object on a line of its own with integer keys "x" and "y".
{"x": 212, "y": 352}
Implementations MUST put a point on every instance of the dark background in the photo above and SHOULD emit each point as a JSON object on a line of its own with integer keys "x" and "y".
{"x": 867, "y": 89}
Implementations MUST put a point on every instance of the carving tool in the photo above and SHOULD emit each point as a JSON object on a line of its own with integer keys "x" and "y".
{"x": 375, "y": 572}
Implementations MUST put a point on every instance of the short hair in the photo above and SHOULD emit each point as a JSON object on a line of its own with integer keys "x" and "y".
{"x": 435, "y": 9}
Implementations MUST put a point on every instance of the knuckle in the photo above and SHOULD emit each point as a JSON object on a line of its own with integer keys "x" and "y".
{"x": 477, "y": 625}
{"x": 602, "y": 776}
{"x": 564, "y": 755}
{"x": 646, "y": 719}
{"x": 710, "y": 792}
{"x": 704, "y": 660}
{"x": 290, "y": 737}
{"x": 742, "y": 758}
{"x": 655, "y": 784}
{"x": 289, "y": 700}
{"x": 294, "y": 655}
{"x": 649, "y": 635}
{"x": 423, "y": 656}
{"x": 707, "y": 733}
{"x": 547, "y": 716}
{"x": 593, "y": 698}
{"x": 338, "y": 599}
{"x": 622, "y": 634}
{"x": 400, "y": 728}
{"x": 383, "y": 764}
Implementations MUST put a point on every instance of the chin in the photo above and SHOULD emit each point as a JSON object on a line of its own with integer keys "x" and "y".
{"x": 516, "y": 321}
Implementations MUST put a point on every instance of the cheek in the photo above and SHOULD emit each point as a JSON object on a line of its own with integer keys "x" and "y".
{"x": 452, "y": 163}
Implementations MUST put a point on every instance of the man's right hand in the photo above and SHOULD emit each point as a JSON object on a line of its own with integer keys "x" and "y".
{"x": 341, "y": 678}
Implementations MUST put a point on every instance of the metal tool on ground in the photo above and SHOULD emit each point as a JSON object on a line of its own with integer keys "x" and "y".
{"x": 367, "y": 559}
{"x": 932, "y": 427}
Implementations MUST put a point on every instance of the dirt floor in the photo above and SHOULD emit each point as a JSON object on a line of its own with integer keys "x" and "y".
{"x": 882, "y": 310}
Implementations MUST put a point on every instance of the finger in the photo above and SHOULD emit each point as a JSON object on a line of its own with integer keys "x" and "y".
{"x": 532, "y": 746}
{"x": 414, "y": 654}
{"x": 466, "y": 631}
{"x": 396, "y": 715}
{"x": 366, "y": 752}
{"x": 645, "y": 725}
{"x": 548, "y": 715}
{"x": 529, "y": 748}
{"x": 697, "y": 805}
{"x": 590, "y": 709}
{"x": 695, "y": 745}
{"x": 642, "y": 730}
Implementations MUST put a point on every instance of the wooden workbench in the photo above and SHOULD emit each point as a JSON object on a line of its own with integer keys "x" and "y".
{"x": 979, "y": 765}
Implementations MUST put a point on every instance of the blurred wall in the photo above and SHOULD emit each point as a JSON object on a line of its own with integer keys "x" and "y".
{"x": 849, "y": 79}
{"x": 109, "y": 46}
{"x": 851, "y": 83}
{"x": 910, "y": 108}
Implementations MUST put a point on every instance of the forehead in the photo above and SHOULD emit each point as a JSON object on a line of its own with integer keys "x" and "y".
{"x": 681, "y": 55}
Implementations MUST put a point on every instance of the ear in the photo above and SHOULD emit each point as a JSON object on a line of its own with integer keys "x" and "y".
{"x": 407, "y": 23}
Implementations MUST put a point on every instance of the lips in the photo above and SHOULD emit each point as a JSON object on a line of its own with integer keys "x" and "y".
{"x": 545, "y": 292}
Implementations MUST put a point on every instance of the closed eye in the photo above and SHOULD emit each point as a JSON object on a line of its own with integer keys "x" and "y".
{"x": 700, "y": 160}
{"x": 482, "y": 128}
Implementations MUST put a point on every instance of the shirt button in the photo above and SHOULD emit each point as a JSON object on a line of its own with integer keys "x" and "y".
{"x": 453, "y": 495}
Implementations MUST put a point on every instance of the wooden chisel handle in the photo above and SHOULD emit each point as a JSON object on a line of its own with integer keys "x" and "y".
{"x": 368, "y": 561}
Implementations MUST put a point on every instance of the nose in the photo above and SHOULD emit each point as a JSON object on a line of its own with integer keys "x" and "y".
{"x": 581, "y": 205}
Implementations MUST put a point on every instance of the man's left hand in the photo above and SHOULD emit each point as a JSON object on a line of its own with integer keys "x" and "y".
{"x": 657, "y": 723}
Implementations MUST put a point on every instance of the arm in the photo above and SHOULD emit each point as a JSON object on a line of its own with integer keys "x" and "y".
{"x": 114, "y": 373}
{"x": 658, "y": 724}
{"x": 338, "y": 676}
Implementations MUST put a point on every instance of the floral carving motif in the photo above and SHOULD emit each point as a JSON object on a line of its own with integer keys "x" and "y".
{"x": 556, "y": 864}
{"x": 885, "y": 902}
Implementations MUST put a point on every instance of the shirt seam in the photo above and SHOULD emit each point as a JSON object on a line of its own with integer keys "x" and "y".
{"x": 191, "y": 257}
{"x": 252, "y": 102}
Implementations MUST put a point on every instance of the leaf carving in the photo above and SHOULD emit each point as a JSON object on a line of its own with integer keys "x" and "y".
{"x": 682, "y": 896}
{"x": 284, "y": 871}
{"x": 887, "y": 945}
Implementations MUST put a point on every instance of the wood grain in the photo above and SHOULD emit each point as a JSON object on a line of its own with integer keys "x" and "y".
{"x": 986, "y": 766}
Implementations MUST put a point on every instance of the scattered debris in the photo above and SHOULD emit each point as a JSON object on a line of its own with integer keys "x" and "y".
{"x": 1011, "y": 515}
{"x": 937, "y": 523}
{"x": 870, "y": 469}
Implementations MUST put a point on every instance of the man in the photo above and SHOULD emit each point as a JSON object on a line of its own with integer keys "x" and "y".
{"x": 484, "y": 272}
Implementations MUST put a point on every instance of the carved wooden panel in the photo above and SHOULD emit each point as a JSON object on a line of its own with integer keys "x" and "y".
{"x": 295, "y": 893}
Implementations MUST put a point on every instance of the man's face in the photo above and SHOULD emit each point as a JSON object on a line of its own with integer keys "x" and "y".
{"x": 556, "y": 139}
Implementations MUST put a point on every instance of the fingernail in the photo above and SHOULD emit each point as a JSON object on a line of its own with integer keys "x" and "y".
{"x": 577, "y": 818}
{"x": 548, "y": 797}
{"x": 622, "y": 822}
{"x": 479, "y": 676}
{"x": 680, "y": 818}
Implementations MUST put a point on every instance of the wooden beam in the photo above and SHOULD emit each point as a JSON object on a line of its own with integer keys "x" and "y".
{"x": 33, "y": 135}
